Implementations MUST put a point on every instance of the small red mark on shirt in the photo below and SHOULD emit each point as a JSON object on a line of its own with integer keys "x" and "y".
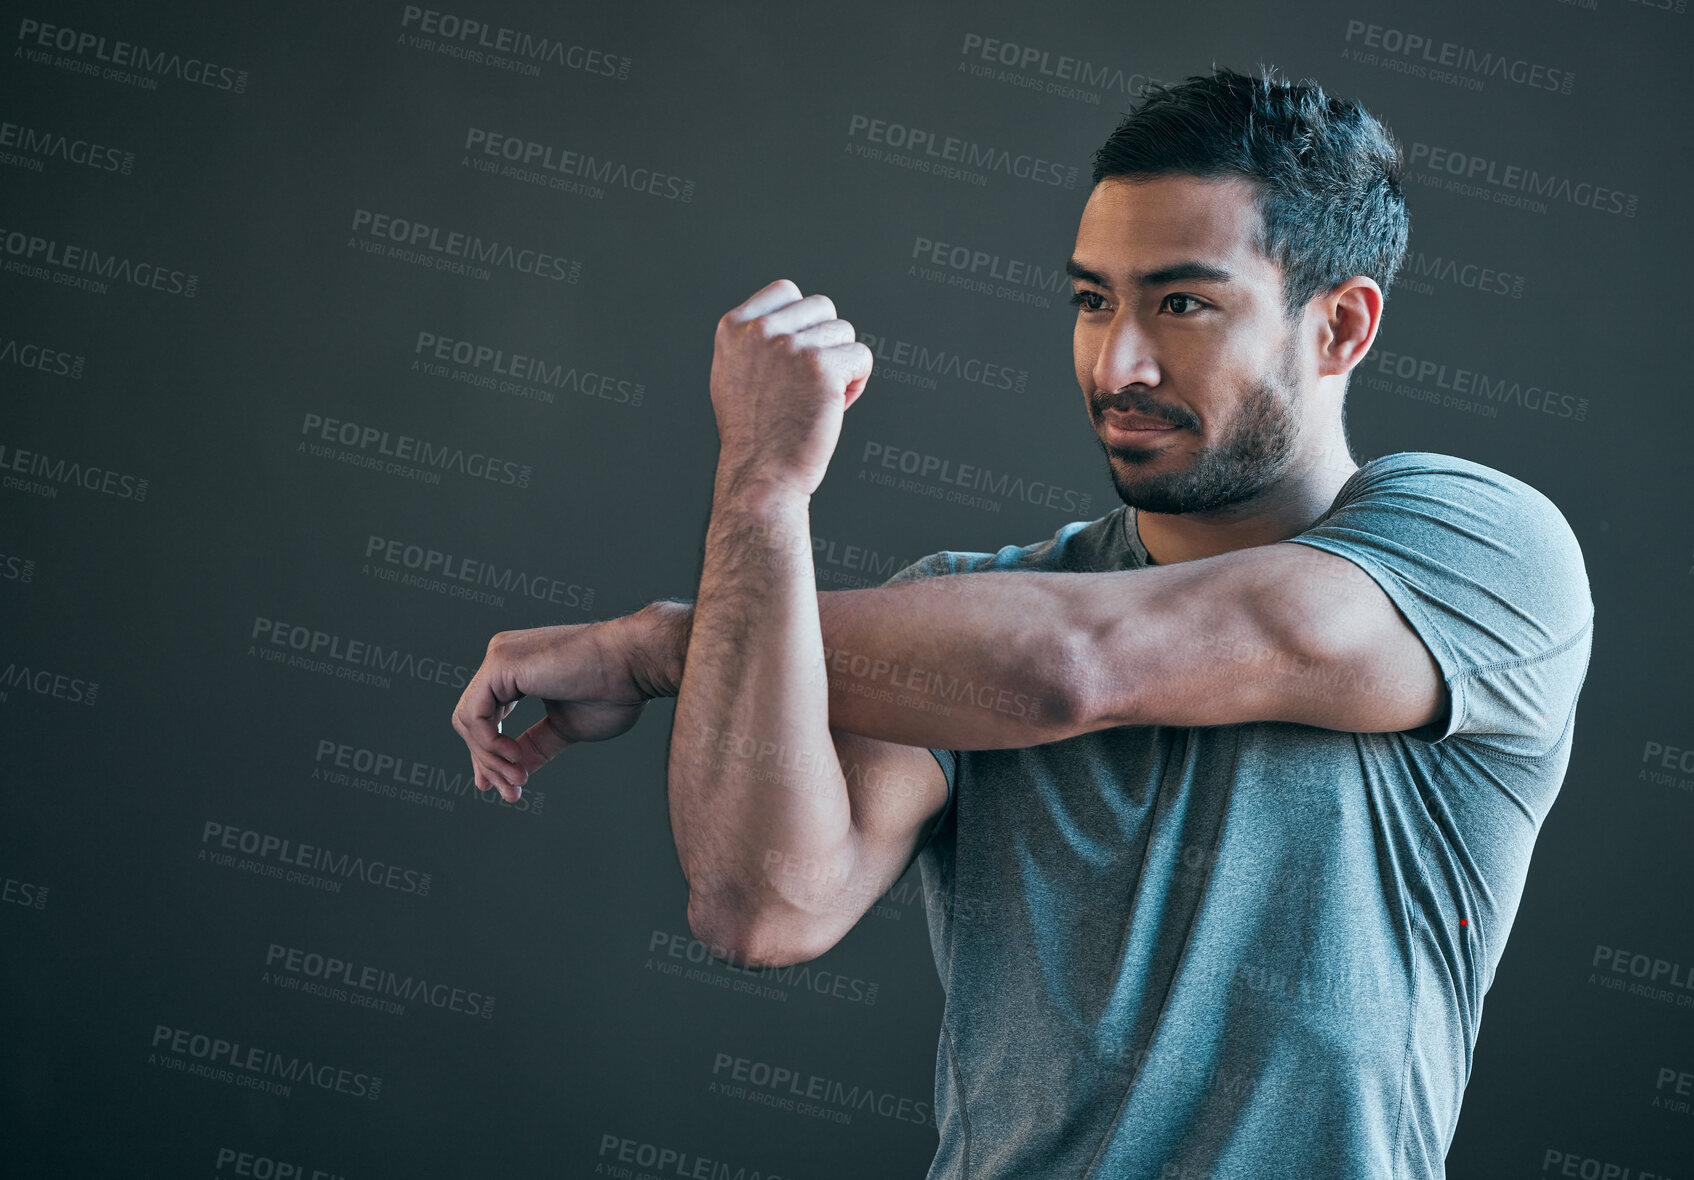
{"x": 1464, "y": 921}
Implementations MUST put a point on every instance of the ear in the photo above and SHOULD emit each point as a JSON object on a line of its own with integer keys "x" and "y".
{"x": 1352, "y": 313}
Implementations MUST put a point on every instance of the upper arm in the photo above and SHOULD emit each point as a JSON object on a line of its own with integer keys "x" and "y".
{"x": 1269, "y": 633}
{"x": 1436, "y": 596}
{"x": 897, "y": 793}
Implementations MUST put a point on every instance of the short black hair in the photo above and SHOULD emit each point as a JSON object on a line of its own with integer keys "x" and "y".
{"x": 1328, "y": 173}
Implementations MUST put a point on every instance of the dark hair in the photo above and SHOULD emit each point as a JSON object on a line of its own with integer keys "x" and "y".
{"x": 1328, "y": 173}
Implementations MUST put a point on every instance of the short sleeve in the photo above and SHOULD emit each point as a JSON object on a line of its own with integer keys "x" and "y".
{"x": 1488, "y": 573}
{"x": 927, "y": 567}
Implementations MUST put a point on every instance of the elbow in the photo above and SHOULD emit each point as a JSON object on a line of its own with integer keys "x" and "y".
{"x": 748, "y": 937}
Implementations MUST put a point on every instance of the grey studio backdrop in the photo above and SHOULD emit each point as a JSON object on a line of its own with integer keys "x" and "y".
{"x": 337, "y": 338}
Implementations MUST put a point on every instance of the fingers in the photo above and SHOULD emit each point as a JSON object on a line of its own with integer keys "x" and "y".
{"x": 541, "y": 743}
{"x": 851, "y": 362}
{"x": 496, "y": 759}
{"x": 766, "y": 299}
{"x": 827, "y": 334}
{"x": 489, "y": 779}
{"x": 801, "y": 314}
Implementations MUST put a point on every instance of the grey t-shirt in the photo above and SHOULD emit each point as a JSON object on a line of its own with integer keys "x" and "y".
{"x": 1242, "y": 952}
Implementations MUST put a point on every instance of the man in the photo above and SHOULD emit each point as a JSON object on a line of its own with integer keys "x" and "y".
{"x": 1229, "y": 795}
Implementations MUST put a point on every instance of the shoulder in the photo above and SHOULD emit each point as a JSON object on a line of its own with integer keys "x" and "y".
{"x": 1080, "y": 546}
{"x": 1477, "y": 558}
{"x": 1449, "y": 478}
{"x": 1428, "y": 493}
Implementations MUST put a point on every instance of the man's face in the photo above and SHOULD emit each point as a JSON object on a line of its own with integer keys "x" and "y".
{"x": 1205, "y": 355}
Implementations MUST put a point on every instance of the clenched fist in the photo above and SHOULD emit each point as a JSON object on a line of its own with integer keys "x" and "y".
{"x": 784, "y": 371}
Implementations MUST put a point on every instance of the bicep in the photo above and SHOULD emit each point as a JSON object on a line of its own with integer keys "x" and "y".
{"x": 1268, "y": 633}
{"x": 896, "y": 793}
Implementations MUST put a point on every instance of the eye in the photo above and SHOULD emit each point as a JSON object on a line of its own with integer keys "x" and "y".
{"x": 1189, "y": 298}
{"x": 1083, "y": 300}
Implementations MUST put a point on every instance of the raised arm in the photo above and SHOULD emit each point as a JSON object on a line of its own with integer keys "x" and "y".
{"x": 754, "y": 776}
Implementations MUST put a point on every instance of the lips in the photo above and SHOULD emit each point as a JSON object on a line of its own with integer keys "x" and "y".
{"x": 1126, "y": 421}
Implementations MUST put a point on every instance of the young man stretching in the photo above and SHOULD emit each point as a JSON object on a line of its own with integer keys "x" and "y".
{"x": 1229, "y": 796}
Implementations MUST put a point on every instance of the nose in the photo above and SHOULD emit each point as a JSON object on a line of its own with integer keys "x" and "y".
{"x": 1125, "y": 356}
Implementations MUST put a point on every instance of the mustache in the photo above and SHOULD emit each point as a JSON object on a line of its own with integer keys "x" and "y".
{"x": 1126, "y": 406}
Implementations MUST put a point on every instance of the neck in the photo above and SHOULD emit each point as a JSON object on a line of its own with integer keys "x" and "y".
{"x": 1286, "y": 509}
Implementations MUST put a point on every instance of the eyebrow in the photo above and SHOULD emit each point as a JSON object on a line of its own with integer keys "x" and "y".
{"x": 1189, "y": 271}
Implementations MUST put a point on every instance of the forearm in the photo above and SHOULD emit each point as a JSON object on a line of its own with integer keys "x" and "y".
{"x": 752, "y": 765}
{"x": 964, "y": 662}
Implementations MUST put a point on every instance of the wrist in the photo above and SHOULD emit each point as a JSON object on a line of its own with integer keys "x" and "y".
{"x": 745, "y": 488}
{"x": 656, "y": 643}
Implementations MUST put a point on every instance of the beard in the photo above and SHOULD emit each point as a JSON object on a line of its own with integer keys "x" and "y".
{"x": 1248, "y": 461}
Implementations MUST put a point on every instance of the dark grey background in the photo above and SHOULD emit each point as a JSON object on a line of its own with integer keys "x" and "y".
{"x": 115, "y": 925}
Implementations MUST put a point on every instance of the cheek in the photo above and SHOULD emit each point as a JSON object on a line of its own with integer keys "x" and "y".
{"x": 1083, "y": 351}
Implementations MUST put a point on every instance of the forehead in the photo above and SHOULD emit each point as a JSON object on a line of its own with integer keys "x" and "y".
{"x": 1131, "y": 226}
